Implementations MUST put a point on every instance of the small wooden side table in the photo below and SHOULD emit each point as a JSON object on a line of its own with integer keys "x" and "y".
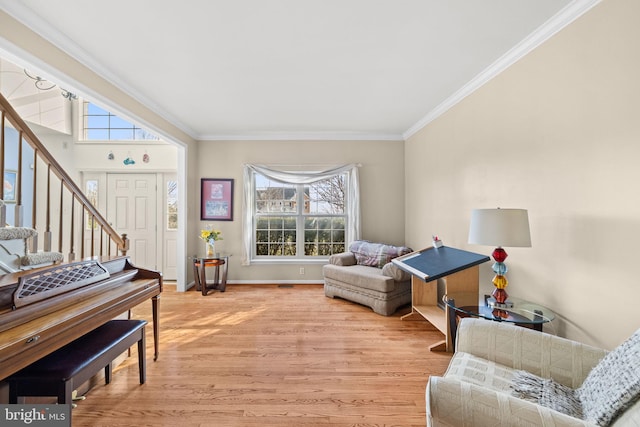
{"x": 220, "y": 262}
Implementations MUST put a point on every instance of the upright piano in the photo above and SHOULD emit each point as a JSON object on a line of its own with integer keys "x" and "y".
{"x": 45, "y": 309}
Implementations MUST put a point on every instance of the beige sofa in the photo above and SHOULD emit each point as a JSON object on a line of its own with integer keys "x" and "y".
{"x": 503, "y": 374}
{"x": 365, "y": 275}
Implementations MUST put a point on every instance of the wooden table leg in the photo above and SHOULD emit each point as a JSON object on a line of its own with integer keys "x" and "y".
{"x": 216, "y": 276}
{"x": 155, "y": 306}
{"x": 196, "y": 274}
{"x": 223, "y": 279}
{"x": 203, "y": 277}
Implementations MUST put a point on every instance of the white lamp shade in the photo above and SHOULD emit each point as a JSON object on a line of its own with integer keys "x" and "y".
{"x": 500, "y": 227}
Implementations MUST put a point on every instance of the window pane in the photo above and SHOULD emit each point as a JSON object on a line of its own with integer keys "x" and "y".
{"x": 121, "y": 134}
{"x": 117, "y": 122}
{"x": 328, "y": 196}
{"x": 276, "y": 249}
{"x": 97, "y": 122}
{"x": 310, "y": 236}
{"x": 337, "y": 236}
{"x": 141, "y": 134}
{"x": 94, "y": 109}
{"x": 172, "y": 205}
{"x": 289, "y": 249}
{"x": 275, "y": 223}
{"x": 262, "y": 249}
{"x": 289, "y": 236}
{"x": 262, "y": 223}
{"x": 91, "y": 190}
{"x": 273, "y": 196}
{"x": 262, "y": 236}
{"x": 261, "y": 206}
{"x": 323, "y": 235}
{"x": 97, "y": 134}
{"x": 275, "y": 236}
{"x": 324, "y": 249}
{"x": 310, "y": 249}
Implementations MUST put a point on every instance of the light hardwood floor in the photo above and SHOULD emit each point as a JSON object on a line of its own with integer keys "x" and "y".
{"x": 263, "y": 355}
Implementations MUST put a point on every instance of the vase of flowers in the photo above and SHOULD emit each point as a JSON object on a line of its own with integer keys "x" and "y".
{"x": 210, "y": 236}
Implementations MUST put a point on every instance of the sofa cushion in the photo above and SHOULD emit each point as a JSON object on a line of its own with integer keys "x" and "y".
{"x": 481, "y": 372}
{"x": 613, "y": 384}
{"x": 376, "y": 254}
{"x": 344, "y": 259}
{"x": 360, "y": 276}
{"x": 396, "y": 273}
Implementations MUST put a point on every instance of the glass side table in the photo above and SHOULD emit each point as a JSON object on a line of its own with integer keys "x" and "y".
{"x": 522, "y": 313}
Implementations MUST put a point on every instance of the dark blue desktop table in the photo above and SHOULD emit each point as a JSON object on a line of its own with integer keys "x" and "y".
{"x": 436, "y": 272}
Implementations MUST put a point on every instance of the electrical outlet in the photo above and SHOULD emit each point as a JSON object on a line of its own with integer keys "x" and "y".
{"x": 302, "y": 270}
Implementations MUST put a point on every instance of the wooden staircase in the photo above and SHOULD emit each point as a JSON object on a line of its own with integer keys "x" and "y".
{"x": 46, "y": 202}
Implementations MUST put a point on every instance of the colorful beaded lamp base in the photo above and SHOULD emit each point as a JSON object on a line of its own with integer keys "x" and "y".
{"x": 499, "y": 280}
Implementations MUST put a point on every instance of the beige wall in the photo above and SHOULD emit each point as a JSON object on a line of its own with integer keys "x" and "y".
{"x": 558, "y": 133}
{"x": 381, "y": 191}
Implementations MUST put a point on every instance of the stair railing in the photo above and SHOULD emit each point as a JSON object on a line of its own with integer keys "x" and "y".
{"x": 65, "y": 206}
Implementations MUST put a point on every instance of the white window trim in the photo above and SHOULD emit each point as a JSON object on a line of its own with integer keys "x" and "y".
{"x": 299, "y": 177}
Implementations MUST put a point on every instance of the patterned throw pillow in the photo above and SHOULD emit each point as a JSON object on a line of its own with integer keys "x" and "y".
{"x": 613, "y": 385}
{"x": 376, "y": 254}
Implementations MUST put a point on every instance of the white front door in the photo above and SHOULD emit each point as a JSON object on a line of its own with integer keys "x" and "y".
{"x": 132, "y": 210}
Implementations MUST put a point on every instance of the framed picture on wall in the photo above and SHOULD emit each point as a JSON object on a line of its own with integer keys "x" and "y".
{"x": 9, "y": 193}
{"x": 216, "y": 199}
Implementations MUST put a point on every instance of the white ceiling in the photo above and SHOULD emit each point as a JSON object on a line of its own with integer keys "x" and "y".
{"x": 353, "y": 69}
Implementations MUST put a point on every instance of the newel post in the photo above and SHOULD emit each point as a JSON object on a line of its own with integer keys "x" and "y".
{"x": 125, "y": 244}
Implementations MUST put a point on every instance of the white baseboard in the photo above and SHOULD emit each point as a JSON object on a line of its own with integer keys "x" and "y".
{"x": 275, "y": 282}
{"x": 265, "y": 282}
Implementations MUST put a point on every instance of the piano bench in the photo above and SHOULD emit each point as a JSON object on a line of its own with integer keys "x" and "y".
{"x": 60, "y": 372}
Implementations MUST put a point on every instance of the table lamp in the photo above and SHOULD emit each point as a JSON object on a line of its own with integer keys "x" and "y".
{"x": 500, "y": 227}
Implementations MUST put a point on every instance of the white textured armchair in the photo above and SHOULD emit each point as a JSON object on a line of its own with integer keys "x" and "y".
{"x": 483, "y": 384}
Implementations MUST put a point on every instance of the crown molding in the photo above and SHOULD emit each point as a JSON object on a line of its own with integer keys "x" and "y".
{"x": 566, "y": 16}
{"x": 303, "y": 136}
